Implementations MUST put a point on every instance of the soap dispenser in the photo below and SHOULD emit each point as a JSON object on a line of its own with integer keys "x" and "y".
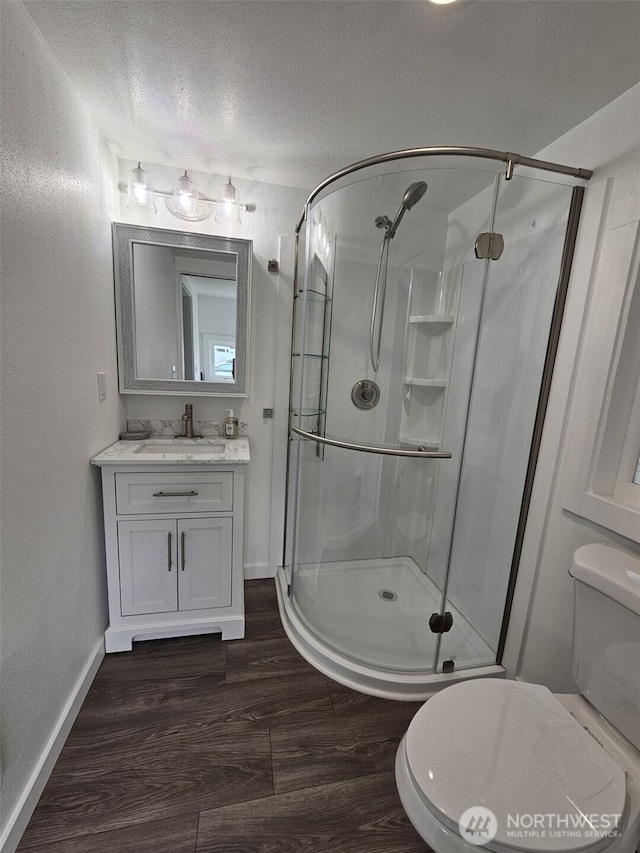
{"x": 230, "y": 425}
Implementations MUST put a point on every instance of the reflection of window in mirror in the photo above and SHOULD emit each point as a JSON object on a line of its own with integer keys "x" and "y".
{"x": 220, "y": 357}
{"x": 222, "y": 360}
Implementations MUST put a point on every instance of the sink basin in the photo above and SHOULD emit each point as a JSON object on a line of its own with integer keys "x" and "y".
{"x": 188, "y": 446}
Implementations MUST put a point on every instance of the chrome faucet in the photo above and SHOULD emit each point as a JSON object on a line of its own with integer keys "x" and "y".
{"x": 188, "y": 421}
{"x": 187, "y": 417}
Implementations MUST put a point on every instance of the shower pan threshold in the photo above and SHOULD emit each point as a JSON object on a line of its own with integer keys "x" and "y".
{"x": 402, "y": 685}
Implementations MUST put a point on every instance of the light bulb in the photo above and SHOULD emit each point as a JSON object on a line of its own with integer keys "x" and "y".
{"x": 229, "y": 192}
{"x": 185, "y": 196}
{"x": 228, "y": 210}
{"x": 139, "y": 194}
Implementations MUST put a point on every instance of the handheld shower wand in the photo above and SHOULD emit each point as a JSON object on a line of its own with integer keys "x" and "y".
{"x": 412, "y": 196}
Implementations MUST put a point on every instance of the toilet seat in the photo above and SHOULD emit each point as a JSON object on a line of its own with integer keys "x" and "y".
{"x": 513, "y": 748}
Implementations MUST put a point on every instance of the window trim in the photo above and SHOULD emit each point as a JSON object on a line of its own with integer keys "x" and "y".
{"x": 603, "y": 432}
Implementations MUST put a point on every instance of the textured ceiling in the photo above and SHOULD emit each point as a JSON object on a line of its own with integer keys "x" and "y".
{"x": 289, "y": 91}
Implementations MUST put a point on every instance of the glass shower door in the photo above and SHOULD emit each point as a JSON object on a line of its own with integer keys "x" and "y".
{"x": 515, "y": 346}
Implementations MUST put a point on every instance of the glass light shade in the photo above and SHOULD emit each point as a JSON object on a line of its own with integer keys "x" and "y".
{"x": 228, "y": 210}
{"x": 185, "y": 197}
{"x": 139, "y": 194}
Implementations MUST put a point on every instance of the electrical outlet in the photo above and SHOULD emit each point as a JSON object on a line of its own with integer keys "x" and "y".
{"x": 102, "y": 386}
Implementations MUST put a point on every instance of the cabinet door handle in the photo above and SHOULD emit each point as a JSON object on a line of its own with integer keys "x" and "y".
{"x": 184, "y": 536}
{"x": 169, "y": 551}
{"x": 174, "y": 494}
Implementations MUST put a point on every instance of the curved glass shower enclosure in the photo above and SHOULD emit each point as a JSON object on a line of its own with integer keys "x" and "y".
{"x": 428, "y": 298}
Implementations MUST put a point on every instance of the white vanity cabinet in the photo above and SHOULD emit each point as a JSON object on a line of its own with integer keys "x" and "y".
{"x": 168, "y": 565}
{"x": 173, "y": 536}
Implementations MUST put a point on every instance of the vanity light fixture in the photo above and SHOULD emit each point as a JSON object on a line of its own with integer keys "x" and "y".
{"x": 185, "y": 202}
{"x": 228, "y": 210}
{"x": 139, "y": 193}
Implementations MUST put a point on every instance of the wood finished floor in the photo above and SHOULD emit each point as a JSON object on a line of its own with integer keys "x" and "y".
{"x": 193, "y": 745}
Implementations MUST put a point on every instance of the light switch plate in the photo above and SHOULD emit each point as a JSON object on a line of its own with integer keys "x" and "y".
{"x": 102, "y": 386}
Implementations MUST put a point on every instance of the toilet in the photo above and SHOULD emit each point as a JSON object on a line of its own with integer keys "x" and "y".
{"x": 509, "y": 767}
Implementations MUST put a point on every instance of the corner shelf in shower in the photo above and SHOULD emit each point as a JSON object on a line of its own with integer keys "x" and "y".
{"x": 307, "y": 413}
{"x": 428, "y": 347}
{"x": 310, "y": 349}
{"x": 435, "y": 324}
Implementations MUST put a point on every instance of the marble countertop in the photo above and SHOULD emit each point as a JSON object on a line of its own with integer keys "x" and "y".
{"x": 177, "y": 451}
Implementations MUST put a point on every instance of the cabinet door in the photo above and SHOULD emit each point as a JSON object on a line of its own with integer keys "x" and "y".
{"x": 148, "y": 553}
{"x": 205, "y": 552}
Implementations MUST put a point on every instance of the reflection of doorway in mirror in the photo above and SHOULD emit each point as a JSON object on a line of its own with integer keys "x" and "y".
{"x": 208, "y": 313}
{"x": 187, "y": 334}
{"x": 221, "y": 358}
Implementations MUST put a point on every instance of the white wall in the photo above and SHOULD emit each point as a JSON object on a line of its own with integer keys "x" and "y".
{"x": 277, "y": 210}
{"x": 57, "y": 333}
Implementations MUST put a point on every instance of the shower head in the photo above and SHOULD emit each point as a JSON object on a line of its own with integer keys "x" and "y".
{"x": 412, "y": 196}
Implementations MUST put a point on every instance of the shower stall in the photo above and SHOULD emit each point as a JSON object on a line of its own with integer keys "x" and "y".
{"x": 422, "y": 351}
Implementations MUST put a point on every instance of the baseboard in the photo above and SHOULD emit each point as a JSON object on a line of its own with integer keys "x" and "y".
{"x": 256, "y": 571}
{"x": 21, "y": 814}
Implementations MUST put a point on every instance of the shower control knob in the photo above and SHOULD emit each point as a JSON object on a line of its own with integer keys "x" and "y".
{"x": 365, "y": 394}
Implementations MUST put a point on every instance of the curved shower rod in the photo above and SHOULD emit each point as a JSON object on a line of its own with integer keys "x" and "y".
{"x": 484, "y": 153}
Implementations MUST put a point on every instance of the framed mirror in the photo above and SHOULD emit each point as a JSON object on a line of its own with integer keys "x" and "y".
{"x": 182, "y": 310}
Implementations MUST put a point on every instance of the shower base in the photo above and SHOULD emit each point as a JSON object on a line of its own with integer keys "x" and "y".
{"x": 365, "y": 624}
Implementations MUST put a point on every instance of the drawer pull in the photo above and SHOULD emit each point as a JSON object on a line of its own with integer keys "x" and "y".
{"x": 174, "y": 494}
{"x": 169, "y": 551}
{"x": 184, "y": 536}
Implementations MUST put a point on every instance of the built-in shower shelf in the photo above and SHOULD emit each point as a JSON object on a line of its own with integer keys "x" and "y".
{"x": 435, "y": 323}
{"x": 419, "y": 441}
{"x": 439, "y": 384}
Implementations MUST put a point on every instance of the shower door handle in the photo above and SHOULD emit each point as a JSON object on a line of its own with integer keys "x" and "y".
{"x": 367, "y": 448}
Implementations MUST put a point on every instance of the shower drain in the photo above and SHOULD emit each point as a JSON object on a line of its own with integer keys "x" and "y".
{"x": 387, "y": 595}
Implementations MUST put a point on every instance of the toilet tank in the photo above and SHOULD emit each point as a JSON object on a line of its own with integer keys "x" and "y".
{"x": 606, "y": 637}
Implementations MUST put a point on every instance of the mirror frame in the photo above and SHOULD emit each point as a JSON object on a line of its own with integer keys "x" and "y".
{"x": 124, "y": 236}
